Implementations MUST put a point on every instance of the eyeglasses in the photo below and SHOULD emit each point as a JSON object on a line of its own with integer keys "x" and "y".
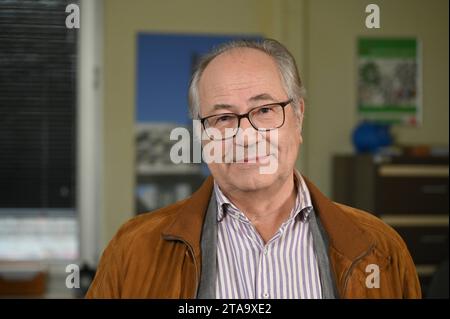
{"x": 263, "y": 118}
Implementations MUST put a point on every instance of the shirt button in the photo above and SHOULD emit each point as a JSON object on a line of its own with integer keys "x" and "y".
{"x": 266, "y": 295}
{"x": 265, "y": 251}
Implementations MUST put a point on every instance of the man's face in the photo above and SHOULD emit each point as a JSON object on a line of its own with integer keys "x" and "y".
{"x": 237, "y": 81}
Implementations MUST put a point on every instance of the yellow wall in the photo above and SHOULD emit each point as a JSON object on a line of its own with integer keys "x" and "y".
{"x": 322, "y": 36}
{"x": 333, "y": 28}
{"x": 122, "y": 21}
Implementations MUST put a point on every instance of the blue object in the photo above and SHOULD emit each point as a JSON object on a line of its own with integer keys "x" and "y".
{"x": 369, "y": 137}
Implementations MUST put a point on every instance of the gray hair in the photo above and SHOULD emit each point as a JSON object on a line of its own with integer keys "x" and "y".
{"x": 283, "y": 58}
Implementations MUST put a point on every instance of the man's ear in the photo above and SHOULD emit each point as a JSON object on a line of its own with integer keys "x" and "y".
{"x": 301, "y": 108}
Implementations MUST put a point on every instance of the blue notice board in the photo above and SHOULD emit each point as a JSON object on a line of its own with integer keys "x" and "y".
{"x": 164, "y": 67}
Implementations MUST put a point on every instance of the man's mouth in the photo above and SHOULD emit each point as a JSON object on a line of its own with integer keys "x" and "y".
{"x": 254, "y": 159}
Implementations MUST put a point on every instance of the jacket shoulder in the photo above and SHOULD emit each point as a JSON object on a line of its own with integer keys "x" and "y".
{"x": 148, "y": 224}
{"x": 377, "y": 228}
{"x": 135, "y": 241}
{"x": 391, "y": 251}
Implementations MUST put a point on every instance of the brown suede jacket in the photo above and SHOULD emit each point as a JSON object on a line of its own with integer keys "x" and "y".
{"x": 158, "y": 255}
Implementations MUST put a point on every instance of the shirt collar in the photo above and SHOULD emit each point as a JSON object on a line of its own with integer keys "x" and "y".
{"x": 303, "y": 203}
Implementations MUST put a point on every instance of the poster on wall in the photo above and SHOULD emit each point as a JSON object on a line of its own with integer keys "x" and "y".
{"x": 389, "y": 81}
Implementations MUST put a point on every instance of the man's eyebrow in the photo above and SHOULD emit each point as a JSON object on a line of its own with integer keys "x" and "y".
{"x": 222, "y": 106}
{"x": 256, "y": 98}
{"x": 262, "y": 97}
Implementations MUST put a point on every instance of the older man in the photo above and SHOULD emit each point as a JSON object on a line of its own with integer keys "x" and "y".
{"x": 247, "y": 233}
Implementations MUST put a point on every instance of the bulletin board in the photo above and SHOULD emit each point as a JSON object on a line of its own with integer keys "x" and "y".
{"x": 389, "y": 80}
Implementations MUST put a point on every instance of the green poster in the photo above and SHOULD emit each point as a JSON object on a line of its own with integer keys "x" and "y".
{"x": 389, "y": 80}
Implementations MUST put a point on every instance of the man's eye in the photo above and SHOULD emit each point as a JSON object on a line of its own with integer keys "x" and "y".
{"x": 264, "y": 110}
{"x": 223, "y": 118}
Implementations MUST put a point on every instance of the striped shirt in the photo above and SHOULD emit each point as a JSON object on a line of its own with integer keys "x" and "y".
{"x": 284, "y": 267}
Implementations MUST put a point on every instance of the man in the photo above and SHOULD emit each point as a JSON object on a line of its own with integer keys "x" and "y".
{"x": 247, "y": 233}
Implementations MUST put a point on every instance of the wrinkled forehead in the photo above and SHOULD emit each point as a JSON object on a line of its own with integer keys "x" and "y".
{"x": 238, "y": 65}
{"x": 239, "y": 69}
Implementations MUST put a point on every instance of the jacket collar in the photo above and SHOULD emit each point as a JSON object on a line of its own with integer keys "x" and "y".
{"x": 344, "y": 234}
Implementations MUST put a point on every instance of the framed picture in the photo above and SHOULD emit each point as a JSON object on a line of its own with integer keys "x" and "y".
{"x": 389, "y": 80}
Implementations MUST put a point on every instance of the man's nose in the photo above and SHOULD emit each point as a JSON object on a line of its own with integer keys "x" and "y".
{"x": 247, "y": 135}
{"x": 245, "y": 123}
